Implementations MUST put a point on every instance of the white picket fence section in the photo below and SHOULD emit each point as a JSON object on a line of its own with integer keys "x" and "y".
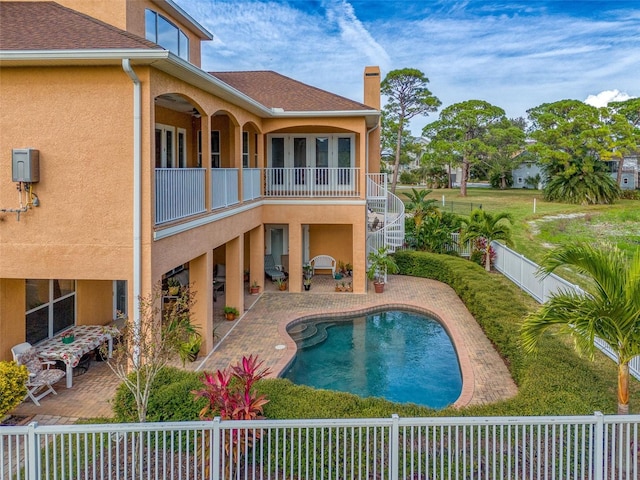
{"x": 593, "y": 447}
{"x": 524, "y": 273}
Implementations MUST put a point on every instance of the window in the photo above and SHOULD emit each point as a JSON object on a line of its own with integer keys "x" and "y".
{"x": 119, "y": 298}
{"x": 199, "y": 148}
{"x": 165, "y": 147}
{"x": 50, "y": 307}
{"x": 245, "y": 149}
{"x": 319, "y": 151}
{"x": 182, "y": 148}
{"x": 215, "y": 149}
{"x": 161, "y": 31}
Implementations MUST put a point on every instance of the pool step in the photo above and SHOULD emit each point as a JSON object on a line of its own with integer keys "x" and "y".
{"x": 308, "y": 335}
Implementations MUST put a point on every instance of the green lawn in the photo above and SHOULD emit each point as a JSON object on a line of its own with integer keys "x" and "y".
{"x": 535, "y": 233}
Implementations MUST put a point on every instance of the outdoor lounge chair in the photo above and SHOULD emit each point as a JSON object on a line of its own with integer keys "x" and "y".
{"x": 40, "y": 379}
{"x": 270, "y": 268}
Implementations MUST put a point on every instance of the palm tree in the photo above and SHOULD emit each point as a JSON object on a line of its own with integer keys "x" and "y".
{"x": 609, "y": 309}
{"x": 490, "y": 227}
{"x": 420, "y": 206}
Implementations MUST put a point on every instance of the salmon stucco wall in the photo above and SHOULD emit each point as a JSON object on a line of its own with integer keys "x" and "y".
{"x": 80, "y": 121}
{"x": 12, "y": 326}
{"x": 94, "y": 302}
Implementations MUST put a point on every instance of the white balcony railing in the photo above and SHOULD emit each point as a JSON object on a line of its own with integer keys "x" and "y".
{"x": 224, "y": 187}
{"x": 312, "y": 182}
{"x": 251, "y": 182}
{"x": 179, "y": 193}
{"x": 563, "y": 447}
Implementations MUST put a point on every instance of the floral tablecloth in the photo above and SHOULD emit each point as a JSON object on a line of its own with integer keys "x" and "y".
{"x": 87, "y": 337}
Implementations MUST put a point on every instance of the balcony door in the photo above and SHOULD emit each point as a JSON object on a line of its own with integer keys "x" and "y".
{"x": 171, "y": 150}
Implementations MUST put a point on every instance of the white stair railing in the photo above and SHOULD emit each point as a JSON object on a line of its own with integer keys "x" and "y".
{"x": 386, "y": 215}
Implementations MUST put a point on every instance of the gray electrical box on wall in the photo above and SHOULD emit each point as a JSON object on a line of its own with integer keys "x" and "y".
{"x": 25, "y": 165}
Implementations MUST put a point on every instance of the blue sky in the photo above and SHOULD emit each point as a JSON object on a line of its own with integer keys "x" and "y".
{"x": 516, "y": 55}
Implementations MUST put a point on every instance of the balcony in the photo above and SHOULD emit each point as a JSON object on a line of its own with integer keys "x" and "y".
{"x": 181, "y": 192}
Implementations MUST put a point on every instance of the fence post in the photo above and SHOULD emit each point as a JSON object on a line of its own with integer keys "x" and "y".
{"x": 395, "y": 449}
{"x": 215, "y": 457}
{"x": 33, "y": 452}
{"x": 598, "y": 451}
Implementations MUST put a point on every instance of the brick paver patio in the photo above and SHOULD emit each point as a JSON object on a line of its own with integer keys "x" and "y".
{"x": 262, "y": 331}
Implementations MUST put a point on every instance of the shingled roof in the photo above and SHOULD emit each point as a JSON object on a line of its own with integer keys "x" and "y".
{"x": 50, "y": 26}
{"x": 277, "y": 91}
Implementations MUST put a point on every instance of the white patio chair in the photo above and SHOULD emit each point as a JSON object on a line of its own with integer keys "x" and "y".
{"x": 40, "y": 378}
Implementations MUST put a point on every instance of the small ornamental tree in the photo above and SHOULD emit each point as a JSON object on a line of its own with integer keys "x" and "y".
{"x": 13, "y": 380}
{"x": 146, "y": 348}
{"x": 229, "y": 393}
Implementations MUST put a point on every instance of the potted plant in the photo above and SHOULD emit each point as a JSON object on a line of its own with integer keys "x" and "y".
{"x": 380, "y": 263}
{"x": 246, "y": 275}
{"x": 349, "y": 269}
{"x": 173, "y": 285}
{"x": 254, "y": 288}
{"x": 230, "y": 313}
{"x": 281, "y": 283}
{"x": 307, "y": 271}
{"x": 307, "y": 284}
{"x": 190, "y": 348}
{"x": 68, "y": 337}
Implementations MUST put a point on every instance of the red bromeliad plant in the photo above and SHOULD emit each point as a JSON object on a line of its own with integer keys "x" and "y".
{"x": 230, "y": 396}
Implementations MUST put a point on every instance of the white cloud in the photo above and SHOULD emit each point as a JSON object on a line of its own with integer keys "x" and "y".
{"x": 603, "y": 99}
{"x": 516, "y": 60}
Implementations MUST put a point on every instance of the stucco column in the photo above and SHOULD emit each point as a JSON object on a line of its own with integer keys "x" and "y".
{"x": 256, "y": 256}
{"x": 295, "y": 257}
{"x": 237, "y": 157}
{"x": 13, "y": 324}
{"x": 205, "y": 145}
{"x": 234, "y": 286}
{"x": 201, "y": 282}
{"x": 359, "y": 231}
{"x": 262, "y": 161}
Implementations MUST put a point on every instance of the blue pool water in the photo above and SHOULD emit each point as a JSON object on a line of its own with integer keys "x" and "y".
{"x": 397, "y": 355}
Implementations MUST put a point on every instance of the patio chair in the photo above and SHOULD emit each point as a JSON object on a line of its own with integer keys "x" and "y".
{"x": 271, "y": 270}
{"x": 40, "y": 378}
{"x": 324, "y": 262}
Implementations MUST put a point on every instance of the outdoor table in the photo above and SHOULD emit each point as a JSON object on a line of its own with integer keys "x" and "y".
{"x": 87, "y": 338}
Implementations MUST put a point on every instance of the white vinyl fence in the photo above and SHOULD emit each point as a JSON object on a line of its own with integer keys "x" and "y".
{"x": 594, "y": 447}
{"x": 523, "y": 272}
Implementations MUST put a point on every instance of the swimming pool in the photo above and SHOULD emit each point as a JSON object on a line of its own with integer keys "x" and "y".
{"x": 398, "y": 355}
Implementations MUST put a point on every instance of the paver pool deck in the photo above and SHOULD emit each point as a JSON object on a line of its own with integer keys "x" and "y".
{"x": 261, "y": 331}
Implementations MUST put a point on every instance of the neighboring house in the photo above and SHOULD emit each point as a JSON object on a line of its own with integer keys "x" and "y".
{"x": 630, "y": 172}
{"x": 132, "y": 164}
{"x": 524, "y": 171}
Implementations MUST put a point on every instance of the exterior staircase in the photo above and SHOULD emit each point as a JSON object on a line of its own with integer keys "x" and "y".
{"x": 385, "y": 215}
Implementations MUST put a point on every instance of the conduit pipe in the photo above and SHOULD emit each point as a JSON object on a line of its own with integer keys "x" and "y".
{"x": 137, "y": 197}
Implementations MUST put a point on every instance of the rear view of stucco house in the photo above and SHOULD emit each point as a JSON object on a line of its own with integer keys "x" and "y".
{"x": 122, "y": 163}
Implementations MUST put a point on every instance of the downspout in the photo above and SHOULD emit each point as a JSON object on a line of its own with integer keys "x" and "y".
{"x": 137, "y": 196}
{"x": 366, "y": 185}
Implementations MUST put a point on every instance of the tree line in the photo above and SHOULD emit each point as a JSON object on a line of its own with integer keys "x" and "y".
{"x": 569, "y": 139}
